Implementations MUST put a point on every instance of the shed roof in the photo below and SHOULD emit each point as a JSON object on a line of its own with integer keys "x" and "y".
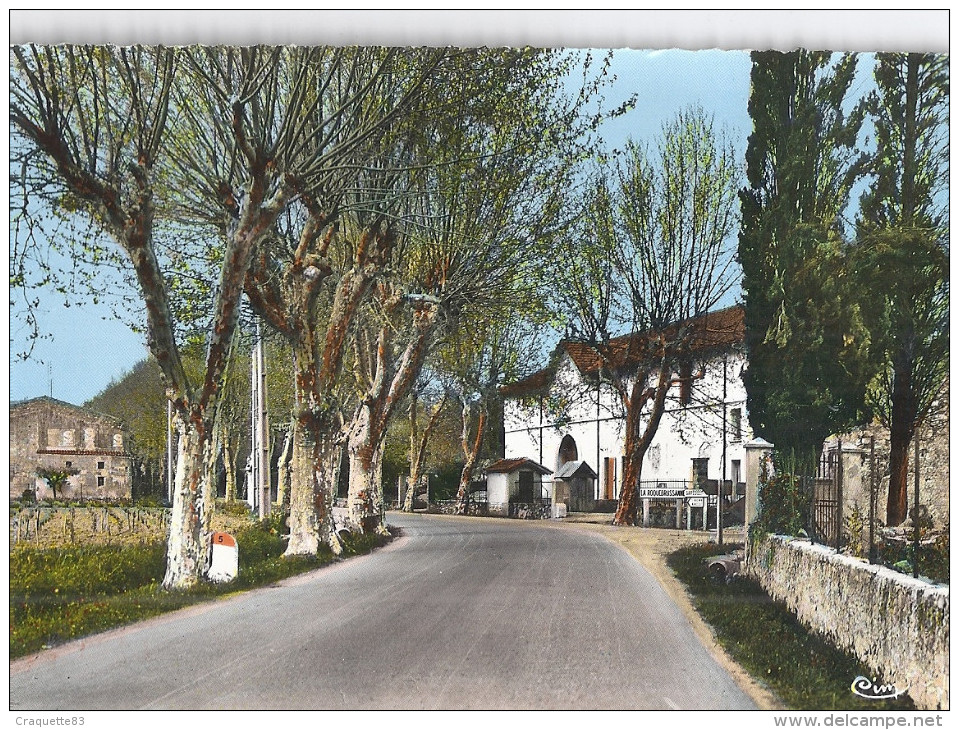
{"x": 508, "y": 466}
{"x": 575, "y": 469}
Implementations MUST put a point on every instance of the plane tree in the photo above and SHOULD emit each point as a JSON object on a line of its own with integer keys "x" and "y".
{"x": 480, "y": 358}
{"x": 431, "y": 392}
{"x": 325, "y": 116}
{"x": 202, "y": 149}
{"x": 95, "y": 123}
{"x": 479, "y": 216}
{"x": 650, "y": 254}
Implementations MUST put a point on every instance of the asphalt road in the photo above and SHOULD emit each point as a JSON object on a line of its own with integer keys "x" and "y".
{"x": 459, "y": 613}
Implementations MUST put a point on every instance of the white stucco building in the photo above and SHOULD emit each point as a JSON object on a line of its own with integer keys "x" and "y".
{"x": 513, "y": 480}
{"x": 564, "y": 413}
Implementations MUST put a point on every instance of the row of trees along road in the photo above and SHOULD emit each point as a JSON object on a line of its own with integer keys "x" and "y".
{"x": 846, "y": 308}
{"x": 364, "y": 199}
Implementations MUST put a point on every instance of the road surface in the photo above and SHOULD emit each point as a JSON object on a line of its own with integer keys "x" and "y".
{"x": 459, "y": 613}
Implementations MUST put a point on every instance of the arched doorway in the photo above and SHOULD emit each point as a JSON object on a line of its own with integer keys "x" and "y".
{"x": 567, "y": 451}
{"x": 573, "y": 479}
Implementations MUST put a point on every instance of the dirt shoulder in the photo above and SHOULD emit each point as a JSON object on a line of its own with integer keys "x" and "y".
{"x": 650, "y": 547}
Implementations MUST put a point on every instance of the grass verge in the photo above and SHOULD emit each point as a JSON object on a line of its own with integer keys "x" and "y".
{"x": 767, "y": 640}
{"x": 60, "y": 594}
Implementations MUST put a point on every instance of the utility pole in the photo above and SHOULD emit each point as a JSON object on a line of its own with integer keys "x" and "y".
{"x": 258, "y": 495}
{"x": 915, "y": 513}
{"x": 722, "y": 482}
{"x": 264, "y": 428}
{"x": 253, "y": 480}
{"x": 169, "y": 450}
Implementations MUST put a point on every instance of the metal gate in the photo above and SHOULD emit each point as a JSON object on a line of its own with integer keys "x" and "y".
{"x": 826, "y": 505}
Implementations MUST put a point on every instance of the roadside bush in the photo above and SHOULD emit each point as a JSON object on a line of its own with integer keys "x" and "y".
{"x": 358, "y": 543}
{"x": 236, "y": 508}
{"x": 785, "y": 501}
{"x": 151, "y": 500}
{"x": 933, "y": 557}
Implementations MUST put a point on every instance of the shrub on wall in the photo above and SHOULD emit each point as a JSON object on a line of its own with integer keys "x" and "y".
{"x": 785, "y": 501}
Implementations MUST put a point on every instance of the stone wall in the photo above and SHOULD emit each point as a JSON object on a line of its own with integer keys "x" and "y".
{"x": 933, "y": 462}
{"x": 896, "y": 625}
{"x": 452, "y": 507}
{"x": 541, "y": 510}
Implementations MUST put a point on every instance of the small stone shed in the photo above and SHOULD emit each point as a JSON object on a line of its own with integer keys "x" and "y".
{"x": 517, "y": 480}
{"x": 49, "y": 433}
{"x": 573, "y": 485}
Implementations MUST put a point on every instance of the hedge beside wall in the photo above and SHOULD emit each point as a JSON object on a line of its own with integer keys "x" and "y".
{"x": 898, "y": 626}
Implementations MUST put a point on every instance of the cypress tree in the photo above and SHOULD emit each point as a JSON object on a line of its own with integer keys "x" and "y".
{"x": 806, "y": 375}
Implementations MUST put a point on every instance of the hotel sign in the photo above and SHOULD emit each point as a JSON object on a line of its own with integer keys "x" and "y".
{"x": 662, "y": 493}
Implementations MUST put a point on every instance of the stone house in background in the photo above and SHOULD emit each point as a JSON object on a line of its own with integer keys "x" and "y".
{"x": 49, "y": 433}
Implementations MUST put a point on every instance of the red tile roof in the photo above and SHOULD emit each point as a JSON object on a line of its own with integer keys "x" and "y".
{"x": 507, "y": 466}
{"x": 715, "y": 329}
{"x": 536, "y": 382}
{"x": 722, "y": 328}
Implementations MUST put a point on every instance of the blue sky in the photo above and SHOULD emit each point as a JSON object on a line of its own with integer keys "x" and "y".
{"x": 87, "y": 348}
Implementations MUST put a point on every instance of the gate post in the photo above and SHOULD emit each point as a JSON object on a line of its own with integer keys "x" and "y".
{"x": 839, "y": 496}
{"x": 757, "y": 451}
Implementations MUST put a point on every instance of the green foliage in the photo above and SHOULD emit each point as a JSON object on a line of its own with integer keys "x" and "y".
{"x": 784, "y": 499}
{"x": 237, "y": 509}
{"x": 804, "y": 670}
{"x": 902, "y": 250}
{"x": 807, "y": 344}
{"x": 56, "y": 479}
{"x": 910, "y": 170}
{"x": 651, "y": 243}
{"x": 360, "y": 543}
{"x": 934, "y": 558}
{"x": 905, "y": 281}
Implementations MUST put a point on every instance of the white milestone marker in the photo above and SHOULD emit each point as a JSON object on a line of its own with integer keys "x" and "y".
{"x": 224, "y": 565}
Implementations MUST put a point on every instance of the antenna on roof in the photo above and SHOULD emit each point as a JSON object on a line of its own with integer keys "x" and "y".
{"x": 50, "y": 377}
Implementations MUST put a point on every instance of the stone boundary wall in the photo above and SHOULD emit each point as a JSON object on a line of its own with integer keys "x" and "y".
{"x": 452, "y": 506}
{"x": 898, "y": 626}
{"x": 531, "y": 511}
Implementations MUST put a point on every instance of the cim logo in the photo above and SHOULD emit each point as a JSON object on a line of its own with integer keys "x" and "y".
{"x": 865, "y": 687}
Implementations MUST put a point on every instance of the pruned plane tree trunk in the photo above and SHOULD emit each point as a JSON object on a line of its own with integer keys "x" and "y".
{"x": 418, "y": 445}
{"x": 471, "y": 441}
{"x": 387, "y": 379}
{"x": 289, "y": 305}
{"x": 89, "y": 112}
